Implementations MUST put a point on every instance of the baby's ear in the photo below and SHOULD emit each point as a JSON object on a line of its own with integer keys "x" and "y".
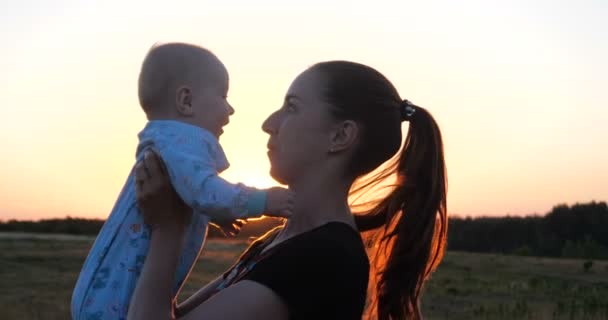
{"x": 183, "y": 101}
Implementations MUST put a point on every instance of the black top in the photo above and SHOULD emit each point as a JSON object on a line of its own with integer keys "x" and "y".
{"x": 319, "y": 274}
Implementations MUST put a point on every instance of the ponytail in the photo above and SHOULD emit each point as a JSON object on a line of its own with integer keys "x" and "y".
{"x": 409, "y": 225}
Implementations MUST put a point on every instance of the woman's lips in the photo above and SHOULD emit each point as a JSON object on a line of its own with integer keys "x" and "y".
{"x": 270, "y": 151}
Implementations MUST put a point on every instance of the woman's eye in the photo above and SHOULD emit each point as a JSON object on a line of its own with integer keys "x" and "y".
{"x": 290, "y": 107}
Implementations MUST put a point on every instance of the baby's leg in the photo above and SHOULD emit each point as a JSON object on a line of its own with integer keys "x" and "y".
{"x": 114, "y": 281}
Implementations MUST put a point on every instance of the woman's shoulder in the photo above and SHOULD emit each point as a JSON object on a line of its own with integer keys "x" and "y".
{"x": 333, "y": 252}
{"x": 336, "y": 235}
{"x": 320, "y": 272}
{"x": 334, "y": 243}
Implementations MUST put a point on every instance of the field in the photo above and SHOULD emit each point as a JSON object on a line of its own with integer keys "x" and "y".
{"x": 37, "y": 276}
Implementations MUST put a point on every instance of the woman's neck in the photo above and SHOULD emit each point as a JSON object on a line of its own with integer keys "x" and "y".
{"x": 318, "y": 201}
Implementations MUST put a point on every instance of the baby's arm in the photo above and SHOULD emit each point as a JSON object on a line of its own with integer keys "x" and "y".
{"x": 195, "y": 179}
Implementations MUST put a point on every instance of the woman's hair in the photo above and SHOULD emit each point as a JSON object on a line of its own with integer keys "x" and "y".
{"x": 408, "y": 226}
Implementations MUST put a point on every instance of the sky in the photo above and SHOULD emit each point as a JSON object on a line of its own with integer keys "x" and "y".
{"x": 518, "y": 88}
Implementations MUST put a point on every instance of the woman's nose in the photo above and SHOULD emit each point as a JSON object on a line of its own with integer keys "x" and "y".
{"x": 270, "y": 124}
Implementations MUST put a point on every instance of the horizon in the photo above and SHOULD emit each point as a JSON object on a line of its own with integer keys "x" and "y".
{"x": 516, "y": 88}
{"x": 454, "y": 215}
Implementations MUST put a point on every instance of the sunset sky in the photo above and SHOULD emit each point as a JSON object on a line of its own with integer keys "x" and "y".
{"x": 519, "y": 88}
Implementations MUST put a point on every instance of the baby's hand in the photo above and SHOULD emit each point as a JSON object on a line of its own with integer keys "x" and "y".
{"x": 230, "y": 228}
{"x": 279, "y": 202}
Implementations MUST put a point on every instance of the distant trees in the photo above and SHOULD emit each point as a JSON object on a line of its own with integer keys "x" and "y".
{"x": 578, "y": 231}
{"x": 78, "y": 226}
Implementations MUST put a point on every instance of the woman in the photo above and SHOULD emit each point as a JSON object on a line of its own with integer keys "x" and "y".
{"x": 340, "y": 121}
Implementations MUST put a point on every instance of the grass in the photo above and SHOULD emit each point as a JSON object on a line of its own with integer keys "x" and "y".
{"x": 484, "y": 286}
{"x": 37, "y": 277}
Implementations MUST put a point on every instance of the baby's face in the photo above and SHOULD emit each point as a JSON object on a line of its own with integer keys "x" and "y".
{"x": 210, "y": 105}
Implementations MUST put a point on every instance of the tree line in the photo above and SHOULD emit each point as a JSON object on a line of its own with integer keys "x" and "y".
{"x": 577, "y": 231}
{"x": 91, "y": 227}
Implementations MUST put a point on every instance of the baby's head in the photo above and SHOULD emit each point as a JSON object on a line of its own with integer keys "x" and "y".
{"x": 184, "y": 82}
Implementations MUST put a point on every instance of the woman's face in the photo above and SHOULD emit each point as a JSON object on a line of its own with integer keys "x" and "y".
{"x": 300, "y": 130}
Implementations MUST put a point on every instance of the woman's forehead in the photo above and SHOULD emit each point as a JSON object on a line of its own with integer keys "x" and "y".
{"x": 307, "y": 92}
{"x": 306, "y": 86}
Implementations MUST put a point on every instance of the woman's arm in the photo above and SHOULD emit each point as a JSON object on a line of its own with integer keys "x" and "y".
{"x": 199, "y": 297}
{"x": 167, "y": 215}
{"x": 245, "y": 300}
{"x": 152, "y": 298}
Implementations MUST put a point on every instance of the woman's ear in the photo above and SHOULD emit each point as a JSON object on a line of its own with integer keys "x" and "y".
{"x": 183, "y": 101}
{"x": 343, "y": 136}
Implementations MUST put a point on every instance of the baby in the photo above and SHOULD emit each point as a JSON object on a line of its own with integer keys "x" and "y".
{"x": 182, "y": 89}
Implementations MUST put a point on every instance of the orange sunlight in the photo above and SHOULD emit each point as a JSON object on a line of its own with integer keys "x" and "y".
{"x": 517, "y": 88}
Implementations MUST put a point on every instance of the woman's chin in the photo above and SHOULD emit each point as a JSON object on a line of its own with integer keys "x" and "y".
{"x": 278, "y": 177}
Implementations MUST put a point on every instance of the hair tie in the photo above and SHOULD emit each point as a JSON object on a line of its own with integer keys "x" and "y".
{"x": 407, "y": 110}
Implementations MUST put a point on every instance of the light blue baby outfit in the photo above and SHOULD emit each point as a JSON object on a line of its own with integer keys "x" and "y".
{"x": 194, "y": 158}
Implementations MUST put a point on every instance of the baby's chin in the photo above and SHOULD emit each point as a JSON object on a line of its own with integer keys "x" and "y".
{"x": 219, "y": 133}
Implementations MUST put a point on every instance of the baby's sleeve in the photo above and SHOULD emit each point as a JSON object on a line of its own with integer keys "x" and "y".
{"x": 195, "y": 178}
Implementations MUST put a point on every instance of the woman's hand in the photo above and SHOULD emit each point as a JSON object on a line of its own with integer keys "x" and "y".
{"x": 158, "y": 201}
